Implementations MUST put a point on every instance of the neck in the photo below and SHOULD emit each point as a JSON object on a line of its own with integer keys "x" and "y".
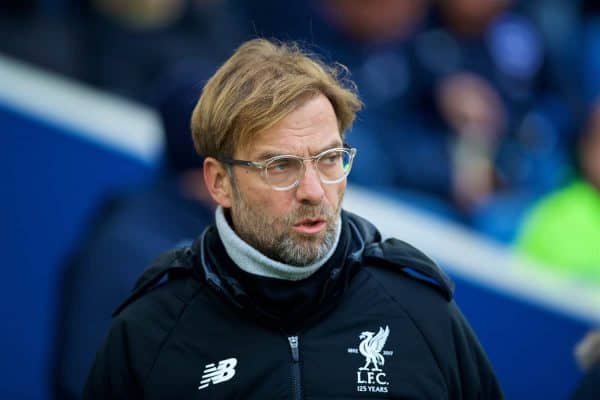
{"x": 254, "y": 262}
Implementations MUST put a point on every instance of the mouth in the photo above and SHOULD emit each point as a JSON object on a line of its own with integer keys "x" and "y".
{"x": 310, "y": 226}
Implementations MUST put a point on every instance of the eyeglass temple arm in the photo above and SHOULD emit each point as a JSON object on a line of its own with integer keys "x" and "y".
{"x": 242, "y": 162}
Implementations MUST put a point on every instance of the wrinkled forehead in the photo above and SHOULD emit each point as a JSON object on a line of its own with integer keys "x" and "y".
{"x": 264, "y": 149}
{"x": 308, "y": 130}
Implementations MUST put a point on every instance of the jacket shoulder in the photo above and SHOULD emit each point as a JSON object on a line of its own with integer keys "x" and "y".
{"x": 159, "y": 297}
{"x": 169, "y": 267}
{"x": 395, "y": 257}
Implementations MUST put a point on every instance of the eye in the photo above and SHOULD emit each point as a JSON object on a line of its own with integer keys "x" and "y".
{"x": 279, "y": 166}
{"x": 331, "y": 158}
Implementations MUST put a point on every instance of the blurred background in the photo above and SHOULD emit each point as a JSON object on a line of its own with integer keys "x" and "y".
{"x": 479, "y": 143}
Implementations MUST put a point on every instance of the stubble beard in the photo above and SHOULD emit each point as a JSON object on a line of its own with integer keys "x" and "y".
{"x": 275, "y": 237}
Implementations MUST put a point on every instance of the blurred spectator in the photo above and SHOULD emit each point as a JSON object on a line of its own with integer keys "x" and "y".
{"x": 587, "y": 354}
{"x": 475, "y": 112}
{"x": 563, "y": 229}
{"x": 124, "y": 237}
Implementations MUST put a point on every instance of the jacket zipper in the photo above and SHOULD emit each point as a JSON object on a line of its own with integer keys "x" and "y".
{"x": 296, "y": 386}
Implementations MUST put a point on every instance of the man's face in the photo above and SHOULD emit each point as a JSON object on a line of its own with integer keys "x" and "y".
{"x": 296, "y": 226}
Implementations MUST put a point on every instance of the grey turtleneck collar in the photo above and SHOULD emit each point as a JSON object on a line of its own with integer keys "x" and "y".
{"x": 254, "y": 262}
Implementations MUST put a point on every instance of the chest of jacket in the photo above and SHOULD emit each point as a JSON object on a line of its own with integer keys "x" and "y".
{"x": 366, "y": 348}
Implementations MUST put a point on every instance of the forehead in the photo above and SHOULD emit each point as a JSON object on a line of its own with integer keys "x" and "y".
{"x": 310, "y": 128}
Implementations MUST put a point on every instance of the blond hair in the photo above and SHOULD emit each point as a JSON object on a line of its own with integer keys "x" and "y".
{"x": 260, "y": 84}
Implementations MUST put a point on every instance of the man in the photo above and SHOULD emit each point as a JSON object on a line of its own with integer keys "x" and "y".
{"x": 287, "y": 296}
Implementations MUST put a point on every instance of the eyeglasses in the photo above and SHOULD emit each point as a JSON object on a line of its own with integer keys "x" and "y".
{"x": 285, "y": 172}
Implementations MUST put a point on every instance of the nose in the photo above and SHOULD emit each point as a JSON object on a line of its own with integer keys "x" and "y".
{"x": 310, "y": 189}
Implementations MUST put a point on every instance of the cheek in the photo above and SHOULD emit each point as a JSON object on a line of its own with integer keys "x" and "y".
{"x": 334, "y": 193}
{"x": 270, "y": 202}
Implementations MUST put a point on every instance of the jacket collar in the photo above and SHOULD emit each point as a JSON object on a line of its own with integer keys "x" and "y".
{"x": 289, "y": 305}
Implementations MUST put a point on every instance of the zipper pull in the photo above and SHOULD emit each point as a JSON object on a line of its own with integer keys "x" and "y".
{"x": 294, "y": 347}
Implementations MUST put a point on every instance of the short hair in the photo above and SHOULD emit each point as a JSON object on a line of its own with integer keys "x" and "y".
{"x": 261, "y": 83}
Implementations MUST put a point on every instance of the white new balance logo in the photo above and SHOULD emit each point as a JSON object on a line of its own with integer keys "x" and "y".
{"x": 217, "y": 374}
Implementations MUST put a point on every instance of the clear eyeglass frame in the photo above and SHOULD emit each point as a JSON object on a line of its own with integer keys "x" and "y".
{"x": 267, "y": 165}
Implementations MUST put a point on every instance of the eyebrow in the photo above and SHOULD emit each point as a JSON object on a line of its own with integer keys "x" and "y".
{"x": 271, "y": 153}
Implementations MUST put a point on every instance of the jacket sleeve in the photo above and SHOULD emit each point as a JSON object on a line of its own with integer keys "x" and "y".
{"x": 475, "y": 373}
{"x": 113, "y": 374}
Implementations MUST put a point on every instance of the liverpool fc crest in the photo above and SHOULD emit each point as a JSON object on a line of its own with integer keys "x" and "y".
{"x": 372, "y": 346}
{"x": 371, "y": 377}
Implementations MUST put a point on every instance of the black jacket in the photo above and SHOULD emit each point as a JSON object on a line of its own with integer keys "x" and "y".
{"x": 376, "y": 321}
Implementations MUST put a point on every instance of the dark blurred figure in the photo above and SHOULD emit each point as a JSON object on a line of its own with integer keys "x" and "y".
{"x": 587, "y": 354}
{"x": 126, "y": 234}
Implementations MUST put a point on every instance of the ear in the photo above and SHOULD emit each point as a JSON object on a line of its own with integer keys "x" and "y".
{"x": 218, "y": 182}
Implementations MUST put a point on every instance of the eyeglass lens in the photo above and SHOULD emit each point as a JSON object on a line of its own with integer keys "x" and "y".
{"x": 333, "y": 166}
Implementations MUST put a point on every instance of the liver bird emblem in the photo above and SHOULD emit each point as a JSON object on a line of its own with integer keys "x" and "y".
{"x": 372, "y": 346}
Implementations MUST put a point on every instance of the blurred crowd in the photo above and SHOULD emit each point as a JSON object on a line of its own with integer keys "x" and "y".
{"x": 482, "y": 112}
